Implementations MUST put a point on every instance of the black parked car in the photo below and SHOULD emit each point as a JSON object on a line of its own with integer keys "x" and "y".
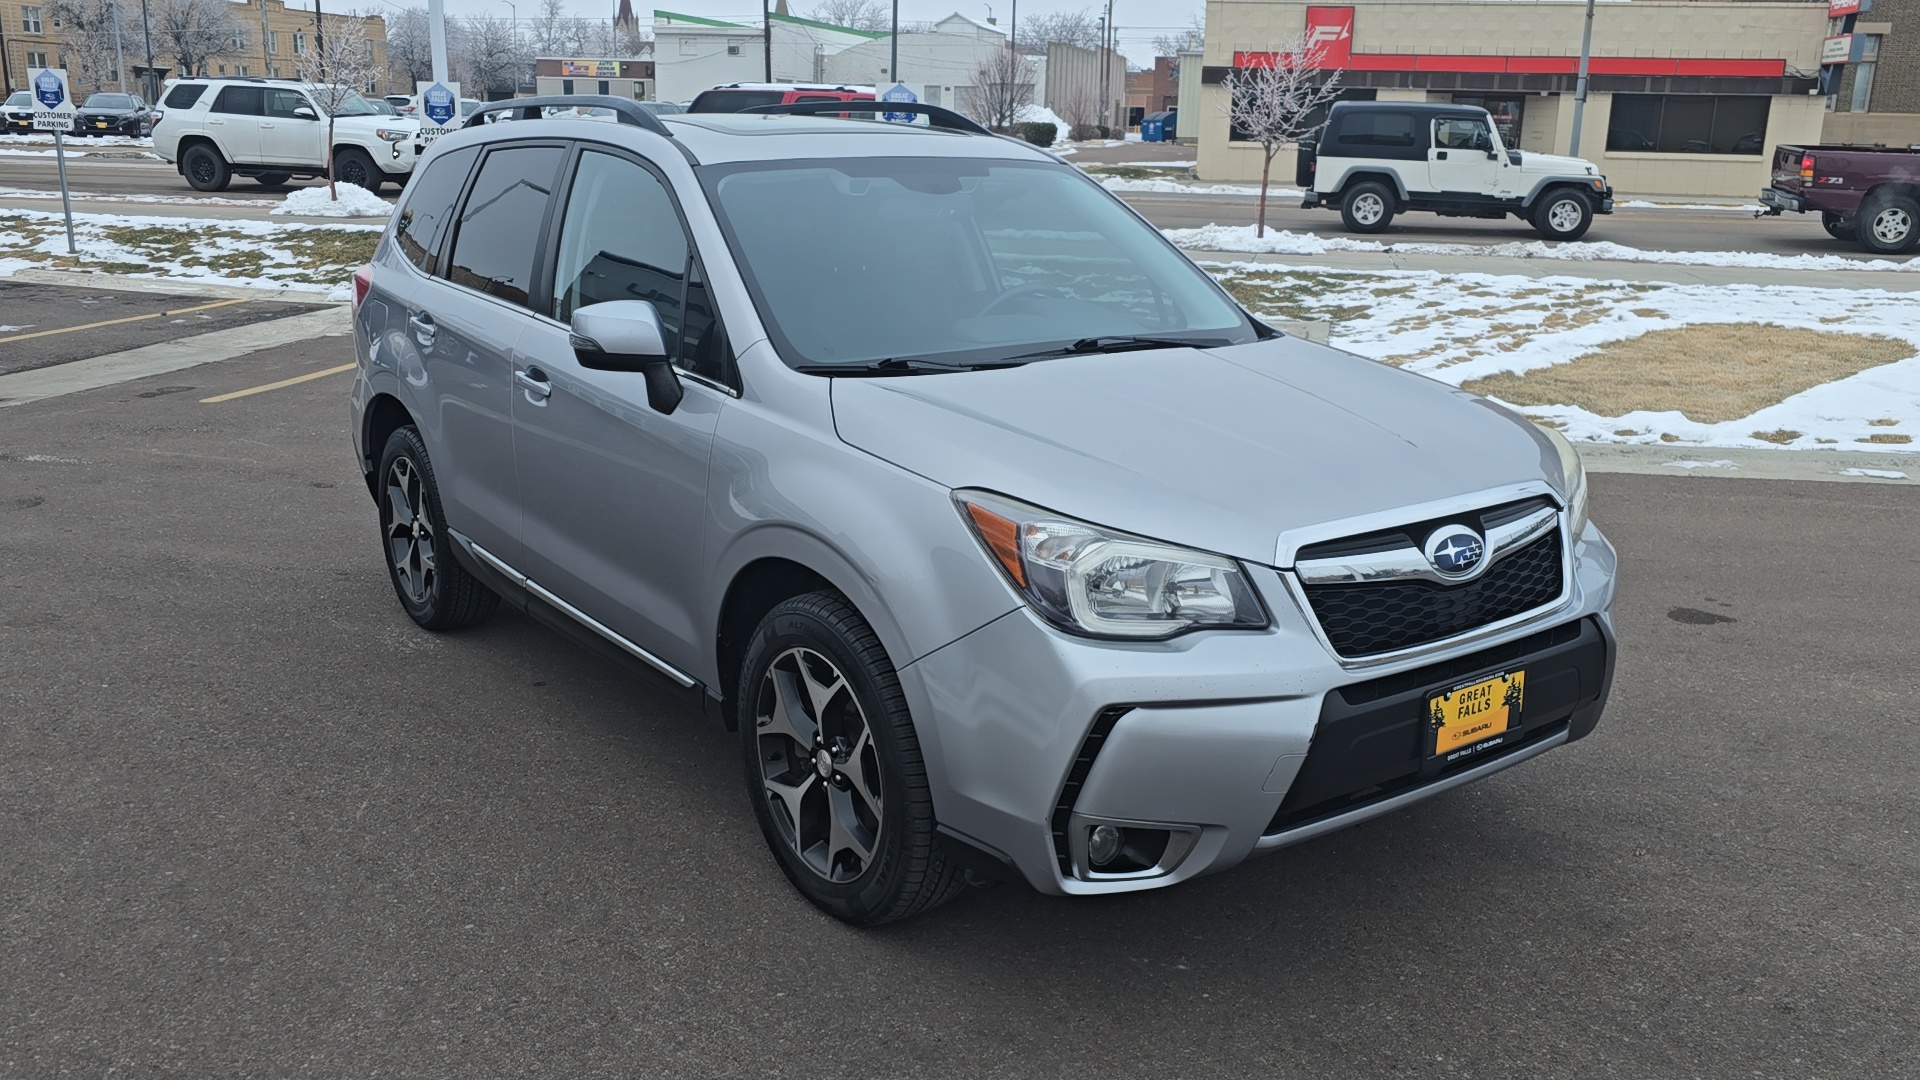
{"x": 114, "y": 114}
{"x": 17, "y": 114}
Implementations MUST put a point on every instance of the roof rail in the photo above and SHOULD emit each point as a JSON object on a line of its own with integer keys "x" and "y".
{"x": 945, "y": 119}
{"x": 626, "y": 110}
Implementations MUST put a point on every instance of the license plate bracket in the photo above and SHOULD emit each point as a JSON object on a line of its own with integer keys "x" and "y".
{"x": 1474, "y": 717}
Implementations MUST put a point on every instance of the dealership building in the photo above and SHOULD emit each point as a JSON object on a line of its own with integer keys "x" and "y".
{"x": 1683, "y": 98}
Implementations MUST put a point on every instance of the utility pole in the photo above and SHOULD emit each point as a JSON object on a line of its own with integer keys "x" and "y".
{"x": 146, "y": 31}
{"x": 320, "y": 39}
{"x": 437, "y": 38}
{"x": 266, "y": 58}
{"x": 893, "y": 62}
{"x": 119, "y": 55}
{"x": 766, "y": 36}
{"x": 1580, "y": 85}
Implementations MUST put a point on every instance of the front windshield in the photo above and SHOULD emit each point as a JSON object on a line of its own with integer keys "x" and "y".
{"x": 20, "y": 97}
{"x": 355, "y": 105}
{"x": 109, "y": 101}
{"x": 954, "y": 260}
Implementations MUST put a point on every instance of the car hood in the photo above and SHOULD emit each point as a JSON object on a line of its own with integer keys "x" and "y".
{"x": 376, "y": 120}
{"x": 1221, "y": 449}
{"x": 1557, "y": 164}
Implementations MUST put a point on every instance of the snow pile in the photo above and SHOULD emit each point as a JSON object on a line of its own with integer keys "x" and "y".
{"x": 317, "y": 202}
{"x": 1877, "y": 474}
{"x": 1040, "y": 114}
{"x": 1241, "y": 238}
{"x": 1687, "y": 463}
{"x": 1642, "y": 204}
{"x": 1175, "y": 187}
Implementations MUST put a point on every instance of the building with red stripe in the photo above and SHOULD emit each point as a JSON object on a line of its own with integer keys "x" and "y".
{"x": 1683, "y": 98}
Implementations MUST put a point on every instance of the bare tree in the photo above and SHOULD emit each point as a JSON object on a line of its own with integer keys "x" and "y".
{"x": 856, "y": 14}
{"x": 1036, "y": 32}
{"x": 1172, "y": 45}
{"x": 490, "y": 57}
{"x": 87, "y": 29}
{"x": 337, "y": 69}
{"x": 409, "y": 47}
{"x": 1279, "y": 103}
{"x": 1079, "y": 106}
{"x": 1003, "y": 83}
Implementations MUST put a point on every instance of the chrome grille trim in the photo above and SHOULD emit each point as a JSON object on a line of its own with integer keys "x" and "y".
{"x": 1410, "y": 563}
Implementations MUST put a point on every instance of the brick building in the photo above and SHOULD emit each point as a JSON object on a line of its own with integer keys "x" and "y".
{"x": 1153, "y": 90}
{"x": 1872, "y": 72}
{"x": 32, "y": 40}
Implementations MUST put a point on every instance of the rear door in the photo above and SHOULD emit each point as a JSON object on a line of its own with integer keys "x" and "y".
{"x": 465, "y": 323}
{"x": 290, "y": 139}
{"x": 1461, "y": 158}
{"x": 616, "y": 491}
{"x": 234, "y": 122}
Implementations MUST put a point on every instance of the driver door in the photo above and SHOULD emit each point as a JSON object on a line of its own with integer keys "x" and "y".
{"x": 287, "y": 138}
{"x": 1461, "y": 159}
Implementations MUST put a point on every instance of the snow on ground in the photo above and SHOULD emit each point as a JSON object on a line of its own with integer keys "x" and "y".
{"x": 164, "y": 200}
{"x": 1241, "y": 239}
{"x": 9, "y": 141}
{"x": 1877, "y": 474}
{"x": 1643, "y": 204}
{"x": 224, "y": 251}
{"x": 1456, "y": 327}
{"x": 318, "y": 201}
{"x": 1688, "y": 463}
{"x": 1176, "y": 187}
{"x": 1040, "y": 114}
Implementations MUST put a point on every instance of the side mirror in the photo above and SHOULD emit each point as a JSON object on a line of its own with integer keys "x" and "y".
{"x": 1493, "y": 155}
{"x": 625, "y": 335}
{"x": 305, "y": 113}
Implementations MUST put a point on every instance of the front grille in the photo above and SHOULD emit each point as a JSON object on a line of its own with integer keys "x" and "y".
{"x": 1381, "y": 617}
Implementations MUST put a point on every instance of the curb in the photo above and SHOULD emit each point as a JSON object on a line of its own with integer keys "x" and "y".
{"x": 172, "y": 286}
{"x": 1723, "y": 463}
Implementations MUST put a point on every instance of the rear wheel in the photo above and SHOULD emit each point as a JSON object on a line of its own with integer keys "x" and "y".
{"x": 273, "y": 179}
{"x": 1838, "y": 227}
{"x": 205, "y": 169}
{"x": 1367, "y": 207}
{"x": 833, "y": 766}
{"x": 1563, "y": 214}
{"x": 352, "y": 165}
{"x": 436, "y": 591}
{"x": 1889, "y": 224}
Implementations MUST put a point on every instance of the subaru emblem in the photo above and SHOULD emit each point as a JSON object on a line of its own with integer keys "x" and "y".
{"x": 1455, "y": 552}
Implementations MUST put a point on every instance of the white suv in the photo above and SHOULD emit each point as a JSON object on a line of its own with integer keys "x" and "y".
{"x": 272, "y": 130}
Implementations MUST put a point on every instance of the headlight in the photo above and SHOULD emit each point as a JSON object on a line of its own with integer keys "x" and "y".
{"x": 391, "y": 135}
{"x": 1096, "y": 581}
{"x": 1575, "y": 476}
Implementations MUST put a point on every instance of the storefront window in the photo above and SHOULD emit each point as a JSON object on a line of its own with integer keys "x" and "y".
{"x": 1506, "y": 111}
{"x": 1688, "y": 124}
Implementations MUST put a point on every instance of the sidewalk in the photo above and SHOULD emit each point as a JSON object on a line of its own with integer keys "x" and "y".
{"x": 1902, "y": 281}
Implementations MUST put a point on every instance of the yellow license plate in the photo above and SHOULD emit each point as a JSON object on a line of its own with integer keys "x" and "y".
{"x": 99, "y": 123}
{"x": 1464, "y": 719}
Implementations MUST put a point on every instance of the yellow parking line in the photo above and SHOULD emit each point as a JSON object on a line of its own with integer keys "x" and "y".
{"x": 128, "y": 319}
{"x": 296, "y": 380}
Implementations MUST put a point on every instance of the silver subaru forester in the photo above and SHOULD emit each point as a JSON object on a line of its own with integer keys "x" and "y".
{"x": 1008, "y": 542}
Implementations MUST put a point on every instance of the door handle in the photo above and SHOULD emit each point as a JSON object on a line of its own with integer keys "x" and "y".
{"x": 423, "y": 329}
{"x": 1439, "y": 155}
{"x": 534, "y": 382}
{"x": 265, "y": 124}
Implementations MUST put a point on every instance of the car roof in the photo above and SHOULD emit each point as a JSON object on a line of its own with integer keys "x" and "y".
{"x": 1423, "y": 108}
{"x": 844, "y": 88}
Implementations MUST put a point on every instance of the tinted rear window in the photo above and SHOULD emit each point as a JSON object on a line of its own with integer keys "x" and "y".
{"x": 429, "y": 204}
{"x": 184, "y": 95}
{"x": 240, "y": 100}
{"x": 1376, "y": 129}
{"x": 735, "y": 100}
{"x": 500, "y": 225}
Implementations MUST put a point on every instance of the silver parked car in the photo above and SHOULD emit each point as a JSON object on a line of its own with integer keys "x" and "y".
{"x": 1008, "y": 542}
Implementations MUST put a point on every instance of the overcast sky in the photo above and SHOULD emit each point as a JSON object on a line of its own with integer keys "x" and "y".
{"x": 1139, "y": 21}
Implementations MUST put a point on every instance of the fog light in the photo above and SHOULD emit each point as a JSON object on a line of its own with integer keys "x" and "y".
{"x": 1104, "y": 845}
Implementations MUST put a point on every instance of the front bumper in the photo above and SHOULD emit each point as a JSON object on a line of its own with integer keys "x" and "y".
{"x": 1239, "y": 742}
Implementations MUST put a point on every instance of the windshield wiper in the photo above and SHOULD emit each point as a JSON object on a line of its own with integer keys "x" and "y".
{"x": 1113, "y": 343}
{"x": 896, "y": 365}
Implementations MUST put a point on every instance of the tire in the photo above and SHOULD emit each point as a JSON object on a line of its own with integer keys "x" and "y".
{"x": 1367, "y": 207}
{"x": 205, "y": 169}
{"x": 812, "y": 783}
{"x": 1889, "y": 224}
{"x": 1831, "y": 222}
{"x": 1563, "y": 214}
{"x": 436, "y": 591}
{"x": 273, "y": 179}
{"x": 352, "y": 165}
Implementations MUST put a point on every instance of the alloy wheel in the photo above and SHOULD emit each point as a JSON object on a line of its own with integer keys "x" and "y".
{"x": 1892, "y": 226}
{"x": 202, "y": 169}
{"x": 1564, "y": 216}
{"x": 1367, "y": 208}
{"x": 410, "y": 538}
{"x": 350, "y": 172}
{"x": 819, "y": 768}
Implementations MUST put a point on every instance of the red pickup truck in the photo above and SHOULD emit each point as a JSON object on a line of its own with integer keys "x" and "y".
{"x": 1865, "y": 193}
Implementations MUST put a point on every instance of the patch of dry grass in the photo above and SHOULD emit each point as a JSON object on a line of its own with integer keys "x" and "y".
{"x": 1887, "y": 439}
{"x": 1884, "y": 422}
{"x": 1778, "y": 436}
{"x": 1711, "y": 372}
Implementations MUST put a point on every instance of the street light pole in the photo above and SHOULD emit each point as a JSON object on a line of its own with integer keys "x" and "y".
{"x": 893, "y": 62}
{"x": 146, "y": 31}
{"x": 1580, "y": 85}
{"x": 119, "y": 54}
{"x": 514, "y": 14}
{"x": 766, "y": 37}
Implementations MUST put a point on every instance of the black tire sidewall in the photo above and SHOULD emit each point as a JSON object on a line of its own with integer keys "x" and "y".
{"x": 1555, "y": 198}
{"x": 221, "y": 173}
{"x": 354, "y": 156}
{"x": 1386, "y": 200}
{"x": 1863, "y": 225}
{"x": 798, "y": 623}
{"x": 406, "y": 442}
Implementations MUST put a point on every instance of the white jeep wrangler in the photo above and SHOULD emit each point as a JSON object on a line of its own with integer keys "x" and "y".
{"x": 272, "y": 130}
{"x": 1376, "y": 159}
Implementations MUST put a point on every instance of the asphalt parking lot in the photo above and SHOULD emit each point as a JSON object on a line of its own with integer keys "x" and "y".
{"x": 254, "y": 823}
{"x": 43, "y": 325}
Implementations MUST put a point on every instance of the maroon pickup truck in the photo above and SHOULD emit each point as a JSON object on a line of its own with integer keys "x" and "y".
{"x": 1865, "y": 193}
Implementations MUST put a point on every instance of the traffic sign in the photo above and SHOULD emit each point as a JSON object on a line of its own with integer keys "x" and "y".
{"x": 438, "y": 106}
{"x": 53, "y": 103}
{"x": 904, "y": 94}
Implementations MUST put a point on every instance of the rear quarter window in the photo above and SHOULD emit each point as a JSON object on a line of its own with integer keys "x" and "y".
{"x": 1375, "y": 129}
{"x": 429, "y": 205}
{"x": 184, "y": 96}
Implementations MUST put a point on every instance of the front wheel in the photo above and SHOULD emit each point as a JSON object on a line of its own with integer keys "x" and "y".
{"x": 1367, "y": 208}
{"x": 436, "y": 591}
{"x": 833, "y": 766}
{"x": 1563, "y": 214}
{"x": 352, "y": 165}
{"x": 1889, "y": 224}
{"x": 1838, "y": 227}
